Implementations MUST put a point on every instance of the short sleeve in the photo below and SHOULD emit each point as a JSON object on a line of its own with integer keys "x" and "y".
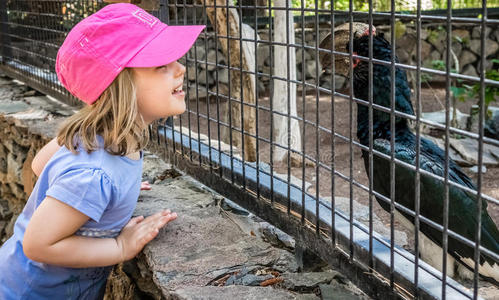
{"x": 85, "y": 189}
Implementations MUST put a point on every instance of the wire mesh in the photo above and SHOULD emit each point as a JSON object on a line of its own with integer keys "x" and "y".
{"x": 267, "y": 116}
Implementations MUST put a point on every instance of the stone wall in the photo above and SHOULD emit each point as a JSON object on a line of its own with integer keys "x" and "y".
{"x": 465, "y": 44}
{"x": 20, "y": 141}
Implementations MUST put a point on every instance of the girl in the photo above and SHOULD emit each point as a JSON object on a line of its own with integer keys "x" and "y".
{"x": 77, "y": 223}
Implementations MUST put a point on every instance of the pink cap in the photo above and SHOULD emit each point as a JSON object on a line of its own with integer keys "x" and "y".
{"x": 118, "y": 35}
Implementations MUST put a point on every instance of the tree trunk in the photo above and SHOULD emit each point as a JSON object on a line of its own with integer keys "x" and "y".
{"x": 232, "y": 50}
{"x": 280, "y": 95}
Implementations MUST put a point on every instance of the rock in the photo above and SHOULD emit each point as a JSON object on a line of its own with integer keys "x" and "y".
{"x": 305, "y": 282}
{"x": 439, "y": 117}
{"x": 231, "y": 292}
{"x": 223, "y": 75}
{"x": 407, "y": 42}
{"x": 205, "y": 79}
{"x": 339, "y": 81}
{"x": 466, "y": 57}
{"x": 474, "y": 169}
{"x": 463, "y": 34}
{"x": 496, "y": 35}
{"x": 309, "y": 36}
{"x": 213, "y": 58}
{"x": 275, "y": 236}
{"x": 223, "y": 89}
{"x": 403, "y": 55}
{"x": 468, "y": 149}
{"x": 299, "y": 56}
{"x": 334, "y": 292}
{"x": 32, "y": 114}
{"x": 477, "y": 32}
{"x": 457, "y": 47}
{"x": 488, "y": 65}
{"x": 310, "y": 69}
{"x": 470, "y": 71}
{"x": 474, "y": 46}
{"x": 263, "y": 52}
{"x": 198, "y": 52}
{"x": 425, "y": 49}
{"x": 438, "y": 40}
{"x": 435, "y": 55}
{"x": 153, "y": 167}
{"x": 491, "y": 47}
{"x": 424, "y": 33}
{"x": 491, "y": 128}
{"x": 9, "y": 107}
{"x": 254, "y": 280}
{"x": 191, "y": 72}
{"x": 200, "y": 92}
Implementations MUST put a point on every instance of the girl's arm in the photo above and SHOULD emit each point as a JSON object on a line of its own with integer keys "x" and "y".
{"x": 49, "y": 237}
{"x": 43, "y": 156}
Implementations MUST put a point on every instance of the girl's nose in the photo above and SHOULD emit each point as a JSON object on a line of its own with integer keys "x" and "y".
{"x": 180, "y": 69}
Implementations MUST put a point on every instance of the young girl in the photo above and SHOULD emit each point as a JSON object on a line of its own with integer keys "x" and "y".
{"x": 77, "y": 223}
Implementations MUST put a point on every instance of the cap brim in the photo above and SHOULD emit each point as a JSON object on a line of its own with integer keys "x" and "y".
{"x": 171, "y": 44}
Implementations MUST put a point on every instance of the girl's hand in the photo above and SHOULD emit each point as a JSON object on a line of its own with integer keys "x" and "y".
{"x": 139, "y": 231}
{"x": 145, "y": 185}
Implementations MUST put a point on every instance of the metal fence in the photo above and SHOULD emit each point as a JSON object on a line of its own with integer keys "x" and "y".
{"x": 329, "y": 189}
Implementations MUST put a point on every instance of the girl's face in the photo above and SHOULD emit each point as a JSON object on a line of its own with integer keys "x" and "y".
{"x": 156, "y": 95}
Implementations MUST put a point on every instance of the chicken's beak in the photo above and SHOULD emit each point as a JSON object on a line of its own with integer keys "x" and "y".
{"x": 341, "y": 39}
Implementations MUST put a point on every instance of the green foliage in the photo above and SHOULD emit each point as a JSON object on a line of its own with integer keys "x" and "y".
{"x": 491, "y": 92}
{"x": 460, "y": 93}
{"x": 440, "y": 65}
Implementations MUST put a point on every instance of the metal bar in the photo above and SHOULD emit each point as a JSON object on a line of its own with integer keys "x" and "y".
{"x": 241, "y": 85}
{"x": 445, "y": 216}
{"x": 478, "y": 231}
{"x": 333, "y": 141}
{"x": 371, "y": 137}
{"x": 271, "y": 98}
{"x": 417, "y": 185}
{"x": 350, "y": 122}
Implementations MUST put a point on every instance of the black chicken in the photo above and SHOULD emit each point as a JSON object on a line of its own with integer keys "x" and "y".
{"x": 462, "y": 205}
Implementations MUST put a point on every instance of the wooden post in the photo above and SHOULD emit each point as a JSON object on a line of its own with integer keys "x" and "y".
{"x": 232, "y": 50}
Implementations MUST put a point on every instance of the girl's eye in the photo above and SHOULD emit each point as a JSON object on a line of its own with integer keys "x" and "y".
{"x": 162, "y": 67}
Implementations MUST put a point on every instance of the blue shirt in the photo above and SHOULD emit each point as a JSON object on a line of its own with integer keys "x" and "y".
{"x": 104, "y": 187}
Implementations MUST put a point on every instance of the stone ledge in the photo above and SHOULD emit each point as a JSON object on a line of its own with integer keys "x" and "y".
{"x": 214, "y": 250}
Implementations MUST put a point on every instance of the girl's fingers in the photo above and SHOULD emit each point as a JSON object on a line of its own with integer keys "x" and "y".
{"x": 156, "y": 216}
{"x": 135, "y": 220}
{"x": 145, "y": 185}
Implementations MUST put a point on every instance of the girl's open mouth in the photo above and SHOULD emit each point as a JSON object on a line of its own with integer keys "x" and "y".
{"x": 178, "y": 91}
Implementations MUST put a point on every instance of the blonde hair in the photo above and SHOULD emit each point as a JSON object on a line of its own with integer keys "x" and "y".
{"x": 114, "y": 116}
